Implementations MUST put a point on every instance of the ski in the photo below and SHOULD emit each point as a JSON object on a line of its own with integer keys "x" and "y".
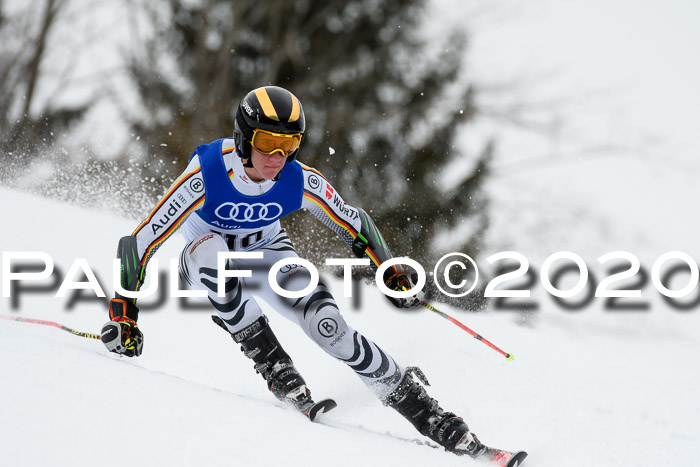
{"x": 497, "y": 457}
{"x": 312, "y": 409}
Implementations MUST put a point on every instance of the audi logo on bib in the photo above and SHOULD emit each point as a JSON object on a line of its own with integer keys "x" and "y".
{"x": 244, "y": 212}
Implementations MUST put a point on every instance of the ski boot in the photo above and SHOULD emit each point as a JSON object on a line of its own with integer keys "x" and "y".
{"x": 445, "y": 428}
{"x": 260, "y": 344}
{"x": 424, "y": 413}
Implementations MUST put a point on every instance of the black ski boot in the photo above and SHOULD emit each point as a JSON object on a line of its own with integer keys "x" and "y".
{"x": 259, "y": 343}
{"x": 445, "y": 428}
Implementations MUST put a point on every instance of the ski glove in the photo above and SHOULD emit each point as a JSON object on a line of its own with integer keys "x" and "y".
{"x": 401, "y": 282}
{"x": 122, "y": 335}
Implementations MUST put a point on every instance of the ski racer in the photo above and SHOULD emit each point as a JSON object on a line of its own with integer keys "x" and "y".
{"x": 230, "y": 198}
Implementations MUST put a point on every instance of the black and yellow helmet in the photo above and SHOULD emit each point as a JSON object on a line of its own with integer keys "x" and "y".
{"x": 269, "y": 108}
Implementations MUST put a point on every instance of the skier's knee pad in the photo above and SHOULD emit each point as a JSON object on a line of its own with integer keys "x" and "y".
{"x": 203, "y": 252}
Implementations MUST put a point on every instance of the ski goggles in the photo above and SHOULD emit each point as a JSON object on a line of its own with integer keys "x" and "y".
{"x": 268, "y": 142}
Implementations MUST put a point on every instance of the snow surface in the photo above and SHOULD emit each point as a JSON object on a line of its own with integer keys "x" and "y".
{"x": 588, "y": 388}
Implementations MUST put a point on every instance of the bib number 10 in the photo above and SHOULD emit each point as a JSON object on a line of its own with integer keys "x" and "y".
{"x": 237, "y": 242}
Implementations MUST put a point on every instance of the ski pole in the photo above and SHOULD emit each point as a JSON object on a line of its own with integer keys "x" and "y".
{"x": 51, "y": 323}
{"x": 509, "y": 356}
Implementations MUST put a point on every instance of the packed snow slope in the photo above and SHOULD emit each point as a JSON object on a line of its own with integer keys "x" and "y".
{"x": 590, "y": 388}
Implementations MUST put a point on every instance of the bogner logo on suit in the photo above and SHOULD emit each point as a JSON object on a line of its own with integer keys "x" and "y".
{"x": 244, "y": 212}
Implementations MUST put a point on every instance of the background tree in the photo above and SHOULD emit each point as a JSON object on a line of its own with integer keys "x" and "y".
{"x": 383, "y": 106}
{"x": 28, "y": 128}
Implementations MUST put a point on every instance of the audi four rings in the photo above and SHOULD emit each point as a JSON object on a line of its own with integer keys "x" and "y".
{"x": 244, "y": 212}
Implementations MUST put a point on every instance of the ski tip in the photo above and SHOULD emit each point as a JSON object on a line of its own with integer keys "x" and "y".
{"x": 518, "y": 459}
{"x": 509, "y": 357}
{"x": 323, "y": 406}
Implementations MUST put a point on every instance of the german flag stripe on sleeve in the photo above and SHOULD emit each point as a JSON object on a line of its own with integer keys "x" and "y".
{"x": 165, "y": 198}
{"x": 329, "y": 212}
{"x": 338, "y": 221}
{"x": 311, "y": 169}
{"x": 164, "y": 236}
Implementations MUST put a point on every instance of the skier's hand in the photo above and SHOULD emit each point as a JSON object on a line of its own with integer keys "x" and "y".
{"x": 122, "y": 335}
{"x": 401, "y": 282}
